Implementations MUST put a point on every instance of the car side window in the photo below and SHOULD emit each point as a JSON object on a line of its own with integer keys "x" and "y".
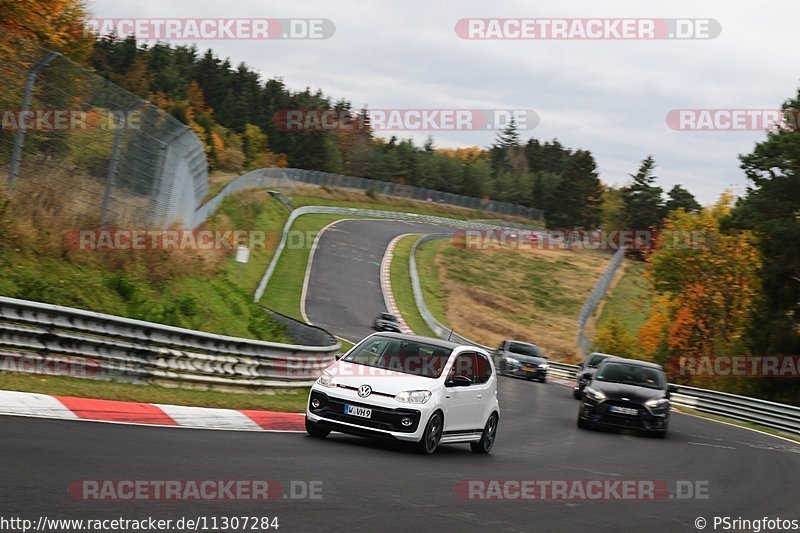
{"x": 483, "y": 370}
{"x": 463, "y": 366}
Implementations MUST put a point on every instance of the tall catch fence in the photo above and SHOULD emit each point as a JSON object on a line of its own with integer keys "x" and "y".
{"x": 84, "y": 149}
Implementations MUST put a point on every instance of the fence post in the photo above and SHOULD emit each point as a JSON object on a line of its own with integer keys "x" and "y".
{"x": 113, "y": 163}
{"x": 19, "y": 139}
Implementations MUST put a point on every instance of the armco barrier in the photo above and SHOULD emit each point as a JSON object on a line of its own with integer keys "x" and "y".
{"x": 761, "y": 412}
{"x": 43, "y": 338}
{"x": 597, "y": 294}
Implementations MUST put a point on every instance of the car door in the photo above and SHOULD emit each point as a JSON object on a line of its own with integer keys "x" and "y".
{"x": 462, "y": 401}
{"x": 484, "y": 387}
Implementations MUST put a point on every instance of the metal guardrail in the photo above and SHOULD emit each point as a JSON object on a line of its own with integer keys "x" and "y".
{"x": 439, "y": 329}
{"x": 762, "y": 412}
{"x": 597, "y": 294}
{"x": 45, "y": 338}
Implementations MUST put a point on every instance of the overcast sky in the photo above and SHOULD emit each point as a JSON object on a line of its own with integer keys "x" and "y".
{"x": 610, "y": 97}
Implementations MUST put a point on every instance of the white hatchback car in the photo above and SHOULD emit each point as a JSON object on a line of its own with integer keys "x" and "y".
{"x": 414, "y": 389}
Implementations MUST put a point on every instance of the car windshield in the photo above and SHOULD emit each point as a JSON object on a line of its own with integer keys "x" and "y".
{"x": 522, "y": 348}
{"x": 401, "y": 355}
{"x": 388, "y": 316}
{"x": 595, "y": 360}
{"x": 629, "y": 374}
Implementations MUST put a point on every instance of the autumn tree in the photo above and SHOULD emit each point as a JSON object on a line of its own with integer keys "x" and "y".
{"x": 55, "y": 24}
{"x": 706, "y": 282}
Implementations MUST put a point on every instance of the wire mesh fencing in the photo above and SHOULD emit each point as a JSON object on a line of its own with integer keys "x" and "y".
{"x": 83, "y": 149}
{"x": 389, "y": 188}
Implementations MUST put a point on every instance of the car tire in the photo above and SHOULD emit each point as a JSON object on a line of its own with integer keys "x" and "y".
{"x": 315, "y": 431}
{"x": 576, "y": 394}
{"x": 584, "y": 424}
{"x": 542, "y": 380}
{"x": 432, "y": 434}
{"x": 487, "y": 437}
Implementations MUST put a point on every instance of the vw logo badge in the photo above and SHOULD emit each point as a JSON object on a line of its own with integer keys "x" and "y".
{"x": 364, "y": 391}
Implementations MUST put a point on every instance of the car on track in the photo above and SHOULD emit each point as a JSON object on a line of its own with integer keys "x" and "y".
{"x": 387, "y": 322}
{"x": 522, "y": 359}
{"x": 414, "y": 389}
{"x": 587, "y": 368}
{"x": 629, "y": 394}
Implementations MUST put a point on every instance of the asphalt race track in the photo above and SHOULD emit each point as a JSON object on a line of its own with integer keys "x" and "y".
{"x": 384, "y": 486}
{"x": 344, "y": 291}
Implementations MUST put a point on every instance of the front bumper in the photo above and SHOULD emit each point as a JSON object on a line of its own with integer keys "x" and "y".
{"x": 386, "y": 420}
{"x": 646, "y": 419}
{"x": 525, "y": 371}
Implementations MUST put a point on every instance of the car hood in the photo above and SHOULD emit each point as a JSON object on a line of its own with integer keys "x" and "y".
{"x": 633, "y": 393}
{"x": 527, "y": 359}
{"x": 381, "y": 380}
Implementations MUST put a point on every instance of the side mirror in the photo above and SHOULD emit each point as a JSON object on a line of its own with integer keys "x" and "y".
{"x": 580, "y": 365}
{"x": 339, "y": 356}
{"x": 587, "y": 376}
{"x": 459, "y": 381}
{"x": 671, "y": 389}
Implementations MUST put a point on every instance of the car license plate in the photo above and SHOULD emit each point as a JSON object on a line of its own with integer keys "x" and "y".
{"x": 529, "y": 369}
{"x": 623, "y": 410}
{"x": 355, "y": 410}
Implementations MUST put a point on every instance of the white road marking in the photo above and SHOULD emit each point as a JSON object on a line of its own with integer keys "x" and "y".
{"x": 712, "y": 445}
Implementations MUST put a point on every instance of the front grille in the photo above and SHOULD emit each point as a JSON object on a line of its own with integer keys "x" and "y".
{"x": 382, "y": 417}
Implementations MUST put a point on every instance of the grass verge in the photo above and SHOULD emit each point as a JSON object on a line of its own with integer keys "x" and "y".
{"x": 428, "y": 270}
{"x": 530, "y": 294}
{"x": 629, "y": 301}
{"x": 401, "y": 287}
{"x": 292, "y": 402}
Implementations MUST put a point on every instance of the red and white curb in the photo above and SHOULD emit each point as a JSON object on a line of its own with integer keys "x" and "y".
{"x": 386, "y": 283}
{"x": 149, "y": 414}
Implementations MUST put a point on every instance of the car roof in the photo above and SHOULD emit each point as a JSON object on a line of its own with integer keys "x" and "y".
{"x": 521, "y": 342}
{"x": 417, "y": 338}
{"x": 638, "y": 362}
{"x": 603, "y": 354}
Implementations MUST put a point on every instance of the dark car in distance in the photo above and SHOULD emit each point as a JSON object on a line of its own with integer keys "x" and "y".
{"x": 628, "y": 394}
{"x": 521, "y": 359}
{"x": 387, "y": 322}
{"x": 587, "y": 367}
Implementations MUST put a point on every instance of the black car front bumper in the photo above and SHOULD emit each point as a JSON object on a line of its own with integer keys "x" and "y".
{"x": 601, "y": 414}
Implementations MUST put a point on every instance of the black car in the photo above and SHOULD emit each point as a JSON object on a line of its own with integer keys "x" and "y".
{"x": 625, "y": 393}
{"x": 522, "y": 359}
{"x": 387, "y": 322}
{"x": 588, "y": 367}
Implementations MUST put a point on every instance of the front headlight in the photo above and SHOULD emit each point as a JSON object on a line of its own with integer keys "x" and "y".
{"x": 657, "y": 403}
{"x": 594, "y": 394}
{"x": 512, "y": 361}
{"x": 326, "y": 380}
{"x": 544, "y": 366}
{"x": 413, "y": 396}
